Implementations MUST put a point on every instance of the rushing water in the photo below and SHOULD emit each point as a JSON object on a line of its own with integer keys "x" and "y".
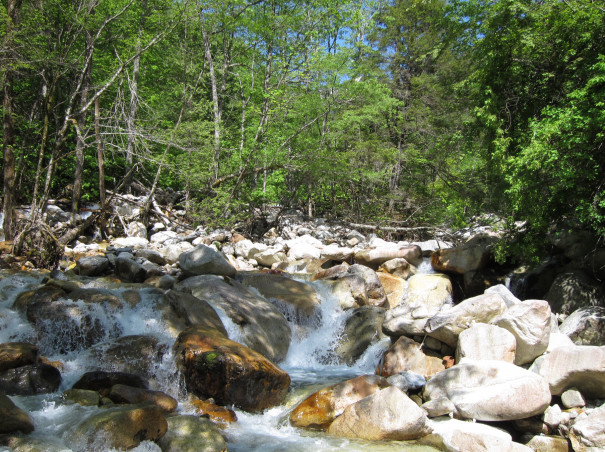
{"x": 310, "y": 362}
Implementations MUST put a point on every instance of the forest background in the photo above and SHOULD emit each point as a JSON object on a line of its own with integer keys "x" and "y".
{"x": 404, "y": 112}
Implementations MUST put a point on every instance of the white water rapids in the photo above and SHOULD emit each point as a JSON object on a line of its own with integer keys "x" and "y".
{"x": 310, "y": 363}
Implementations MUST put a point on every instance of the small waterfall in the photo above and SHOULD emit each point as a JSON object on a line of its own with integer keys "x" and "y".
{"x": 425, "y": 267}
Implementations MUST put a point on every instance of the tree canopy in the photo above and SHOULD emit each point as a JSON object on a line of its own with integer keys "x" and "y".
{"x": 407, "y": 111}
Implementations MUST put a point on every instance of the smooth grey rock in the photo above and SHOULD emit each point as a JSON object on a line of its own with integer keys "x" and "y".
{"x": 441, "y": 406}
{"x": 92, "y": 265}
{"x": 573, "y": 290}
{"x": 572, "y": 398}
{"x": 204, "y": 260}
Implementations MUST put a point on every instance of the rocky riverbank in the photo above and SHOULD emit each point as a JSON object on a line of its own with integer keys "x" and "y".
{"x": 471, "y": 366}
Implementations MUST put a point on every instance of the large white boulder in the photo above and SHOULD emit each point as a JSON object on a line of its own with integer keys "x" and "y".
{"x": 449, "y": 323}
{"x": 388, "y": 414}
{"x": 490, "y": 390}
{"x": 425, "y": 297}
{"x": 529, "y": 322}
{"x": 453, "y": 435}
{"x": 579, "y": 366}
{"x": 483, "y": 341}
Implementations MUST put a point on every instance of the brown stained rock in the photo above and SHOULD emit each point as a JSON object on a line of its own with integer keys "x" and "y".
{"x": 129, "y": 394}
{"x": 121, "y": 427}
{"x": 17, "y": 354}
{"x": 406, "y": 355}
{"x": 230, "y": 373}
{"x": 13, "y": 418}
{"x": 322, "y": 407}
{"x": 394, "y": 288}
{"x": 216, "y": 413}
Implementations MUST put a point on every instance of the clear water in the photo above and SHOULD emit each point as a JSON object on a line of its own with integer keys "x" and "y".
{"x": 311, "y": 363}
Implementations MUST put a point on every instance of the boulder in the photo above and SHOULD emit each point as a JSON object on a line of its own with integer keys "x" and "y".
{"x": 580, "y": 366}
{"x": 271, "y": 256}
{"x": 362, "y": 328}
{"x": 84, "y": 397}
{"x": 102, "y": 381}
{"x": 136, "y": 229}
{"x": 130, "y": 242}
{"x": 388, "y": 414}
{"x": 398, "y": 267}
{"x": 430, "y": 246}
{"x": 263, "y": 326}
{"x": 407, "y": 355}
{"x": 230, "y": 373}
{"x": 573, "y": 290}
{"x": 92, "y": 265}
{"x": 163, "y": 237}
{"x": 30, "y": 379}
{"x": 205, "y": 260}
{"x": 193, "y": 311}
{"x": 407, "y": 381}
{"x": 394, "y": 288}
{"x": 152, "y": 256}
{"x": 128, "y": 269}
{"x": 337, "y": 253}
{"x": 17, "y": 354}
{"x": 299, "y": 300}
{"x": 572, "y": 398}
{"x": 483, "y": 341}
{"x": 471, "y": 256}
{"x": 439, "y": 407}
{"x": 588, "y": 432}
{"x": 375, "y": 257}
{"x": 586, "y": 326}
{"x": 453, "y": 435}
{"x": 219, "y": 414}
{"x": 121, "y": 427}
{"x": 322, "y": 407}
{"x": 192, "y": 434}
{"x": 130, "y": 394}
{"x": 426, "y": 295}
{"x": 449, "y": 323}
{"x": 172, "y": 252}
{"x": 354, "y": 285}
{"x": 509, "y": 298}
{"x": 490, "y": 390}
{"x": 529, "y": 322}
{"x": 12, "y": 418}
{"x": 542, "y": 443}
{"x": 304, "y": 247}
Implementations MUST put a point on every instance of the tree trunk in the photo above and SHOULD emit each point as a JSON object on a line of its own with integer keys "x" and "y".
{"x": 101, "y": 162}
{"x": 134, "y": 101}
{"x": 8, "y": 127}
{"x": 80, "y": 124}
{"x": 215, "y": 100}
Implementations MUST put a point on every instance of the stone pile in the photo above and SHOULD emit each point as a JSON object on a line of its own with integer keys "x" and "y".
{"x": 469, "y": 373}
